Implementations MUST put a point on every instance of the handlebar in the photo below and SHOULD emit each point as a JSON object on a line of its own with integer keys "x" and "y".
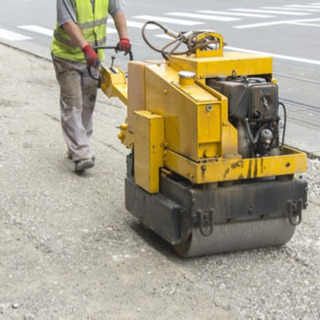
{"x": 107, "y": 48}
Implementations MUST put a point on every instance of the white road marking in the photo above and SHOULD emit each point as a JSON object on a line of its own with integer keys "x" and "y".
{"x": 12, "y": 36}
{"x": 164, "y": 36}
{"x": 135, "y": 24}
{"x": 111, "y": 30}
{"x": 264, "y": 24}
{"x": 37, "y": 29}
{"x": 169, "y": 20}
{"x": 272, "y": 11}
{"x": 278, "y": 56}
{"x": 256, "y": 25}
{"x": 201, "y": 16}
{"x": 301, "y": 6}
{"x": 307, "y": 24}
{"x": 237, "y": 14}
{"x": 291, "y": 9}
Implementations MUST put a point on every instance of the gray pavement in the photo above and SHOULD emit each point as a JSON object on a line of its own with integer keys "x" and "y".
{"x": 304, "y": 139}
{"x": 69, "y": 249}
{"x": 299, "y": 89}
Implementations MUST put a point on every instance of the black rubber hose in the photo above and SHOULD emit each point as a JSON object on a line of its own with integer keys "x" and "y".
{"x": 284, "y": 122}
{"x": 253, "y": 140}
{"x": 145, "y": 38}
{"x": 178, "y": 39}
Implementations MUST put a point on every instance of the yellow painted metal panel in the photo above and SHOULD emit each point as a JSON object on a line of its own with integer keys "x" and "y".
{"x": 136, "y": 90}
{"x": 219, "y": 169}
{"x": 164, "y": 96}
{"x": 209, "y": 123}
{"x": 195, "y": 93}
{"x": 148, "y": 149}
{"x": 196, "y": 117}
{"x": 240, "y": 62}
{"x": 114, "y": 84}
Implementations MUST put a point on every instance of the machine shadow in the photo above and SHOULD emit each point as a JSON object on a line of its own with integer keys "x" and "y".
{"x": 155, "y": 241}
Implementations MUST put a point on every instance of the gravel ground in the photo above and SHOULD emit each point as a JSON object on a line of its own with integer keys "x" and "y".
{"x": 314, "y": 180}
{"x": 69, "y": 249}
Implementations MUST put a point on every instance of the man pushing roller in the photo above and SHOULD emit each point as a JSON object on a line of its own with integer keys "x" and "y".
{"x": 81, "y": 25}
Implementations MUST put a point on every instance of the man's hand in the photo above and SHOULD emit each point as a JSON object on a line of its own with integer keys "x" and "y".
{"x": 124, "y": 45}
{"x": 91, "y": 56}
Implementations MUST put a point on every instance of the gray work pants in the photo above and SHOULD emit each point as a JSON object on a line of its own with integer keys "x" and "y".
{"x": 78, "y": 93}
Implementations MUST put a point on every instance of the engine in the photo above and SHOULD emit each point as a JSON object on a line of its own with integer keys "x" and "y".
{"x": 253, "y": 110}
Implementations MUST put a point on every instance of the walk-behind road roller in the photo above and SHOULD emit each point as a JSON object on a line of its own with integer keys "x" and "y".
{"x": 208, "y": 170}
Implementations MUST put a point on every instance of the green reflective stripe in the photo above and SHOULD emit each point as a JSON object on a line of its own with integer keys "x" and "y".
{"x": 60, "y": 38}
{"x": 63, "y": 40}
{"x": 99, "y": 42}
{"x": 92, "y": 24}
{"x": 102, "y": 41}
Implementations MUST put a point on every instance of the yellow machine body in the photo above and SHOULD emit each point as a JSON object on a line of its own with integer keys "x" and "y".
{"x": 197, "y": 142}
{"x": 177, "y": 124}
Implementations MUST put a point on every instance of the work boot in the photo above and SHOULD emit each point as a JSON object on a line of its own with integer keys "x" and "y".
{"x": 84, "y": 164}
{"x": 69, "y": 155}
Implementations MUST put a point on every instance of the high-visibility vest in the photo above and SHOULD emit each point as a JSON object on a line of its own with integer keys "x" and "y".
{"x": 92, "y": 24}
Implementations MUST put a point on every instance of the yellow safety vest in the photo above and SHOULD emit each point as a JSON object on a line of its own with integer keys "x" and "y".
{"x": 92, "y": 24}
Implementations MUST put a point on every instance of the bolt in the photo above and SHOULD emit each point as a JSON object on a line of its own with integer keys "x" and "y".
{"x": 209, "y": 108}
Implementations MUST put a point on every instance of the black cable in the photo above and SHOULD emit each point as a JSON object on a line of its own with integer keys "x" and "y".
{"x": 284, "y": 122}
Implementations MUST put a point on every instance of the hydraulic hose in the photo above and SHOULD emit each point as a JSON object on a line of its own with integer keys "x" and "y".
{"x": 252, "y": 139}
{"x": 284, "y": 123}
{"x": 188, "y": 38}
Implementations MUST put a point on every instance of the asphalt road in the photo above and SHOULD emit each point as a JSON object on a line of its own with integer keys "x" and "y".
{"x": 267, "y": 26}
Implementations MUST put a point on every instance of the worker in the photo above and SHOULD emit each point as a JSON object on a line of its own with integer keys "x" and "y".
{"x": 81, "y": 25}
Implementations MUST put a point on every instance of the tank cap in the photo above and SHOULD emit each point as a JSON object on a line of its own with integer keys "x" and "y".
{"x": 187, "y": 74}
{"x": 186, "y": 77}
